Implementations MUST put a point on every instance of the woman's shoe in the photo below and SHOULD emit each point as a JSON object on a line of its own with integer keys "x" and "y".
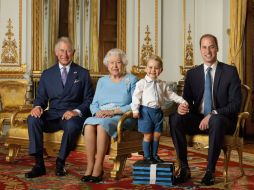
{"x": 97, "y": 179}
{"x": 86, "y": 178}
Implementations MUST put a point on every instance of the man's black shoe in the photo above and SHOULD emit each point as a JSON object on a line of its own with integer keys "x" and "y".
{"x": 36, "y": 171}
{"x": 183, "y": 176}
{"x": 60, "y": 171}
{"x": 208, "y": 179}
{"x": 157, "y": 159}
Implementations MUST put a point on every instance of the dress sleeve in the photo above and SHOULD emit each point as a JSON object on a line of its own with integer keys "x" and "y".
{"x": 95, "y": 106}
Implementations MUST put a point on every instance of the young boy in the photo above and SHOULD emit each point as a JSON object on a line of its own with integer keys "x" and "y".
{"x": 148, "y": 97}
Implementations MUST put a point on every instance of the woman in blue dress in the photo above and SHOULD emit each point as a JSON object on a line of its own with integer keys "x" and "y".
{"x": 112, "y": 98}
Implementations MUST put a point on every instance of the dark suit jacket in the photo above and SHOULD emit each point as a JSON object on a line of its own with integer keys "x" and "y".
{"x": 226, "y": 89}
{"x": 77, "y": 93}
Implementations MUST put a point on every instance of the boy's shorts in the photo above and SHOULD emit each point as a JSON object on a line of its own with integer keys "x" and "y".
{"x": 151, "y": 120}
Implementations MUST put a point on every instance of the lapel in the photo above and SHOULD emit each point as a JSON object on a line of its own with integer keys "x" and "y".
{"x": 58, "y": 80}
{"x": 200, "y": 79}
{"x": 72, "y": 75}
{"x": 217, "y": 79}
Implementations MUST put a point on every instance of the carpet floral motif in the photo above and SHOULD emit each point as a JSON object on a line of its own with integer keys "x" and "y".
{"x": 12, "y": 174}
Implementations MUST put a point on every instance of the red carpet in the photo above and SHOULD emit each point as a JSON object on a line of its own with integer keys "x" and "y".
{"x": 12, "y": 175}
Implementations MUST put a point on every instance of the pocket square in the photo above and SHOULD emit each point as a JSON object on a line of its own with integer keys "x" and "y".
{"x": 76, "y": 80}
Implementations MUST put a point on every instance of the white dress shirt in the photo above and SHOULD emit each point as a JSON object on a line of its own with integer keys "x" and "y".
{"x": 153, "y": 94}
{"x": 67, "y": 67}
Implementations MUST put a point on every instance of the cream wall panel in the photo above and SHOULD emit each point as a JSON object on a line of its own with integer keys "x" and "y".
{"x": 207, "y": 16}
{"x": 172, "y": 39}
{"x": 10, "y": 10}
{"x": 16, "y": 14}
{"x": 142, "y": 16}
{"x": 27, "y": 34}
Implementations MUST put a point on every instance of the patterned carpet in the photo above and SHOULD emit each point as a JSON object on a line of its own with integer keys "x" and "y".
{"x": 12, "y": 175}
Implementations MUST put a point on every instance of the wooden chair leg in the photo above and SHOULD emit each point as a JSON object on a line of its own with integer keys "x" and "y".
{"x": 119, "y": 164}
{"x": 240, "y": 154}
{"x": 227, "y": 152}
{"x": 13, "y": 152}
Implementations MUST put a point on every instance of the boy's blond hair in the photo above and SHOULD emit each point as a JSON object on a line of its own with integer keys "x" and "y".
{"x": 155, "y": 58}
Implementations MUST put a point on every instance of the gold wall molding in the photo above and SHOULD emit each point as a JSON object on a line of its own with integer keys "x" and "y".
{"x": 86, "y": 8}
{"x": 146, "y": 52}
{"x": 188, "y": 55}
{"x": 188, "y": 58}
{"x": 121, "y": 24}
{"x": 11, "y": 57}
{"x": 9, "y": 48}
{"x": 53, "y": 31}
{"x": 147, "y": 48}
{"x": 156, "y": 28}
{"x": 37, "y": 27}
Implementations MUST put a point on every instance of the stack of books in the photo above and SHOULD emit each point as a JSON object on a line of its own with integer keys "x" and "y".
{"x": 161, "y": 173}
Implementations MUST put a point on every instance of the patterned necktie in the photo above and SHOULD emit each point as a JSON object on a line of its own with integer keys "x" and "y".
{"x": 64, "y": 75}
{"x": 208, "y": 92}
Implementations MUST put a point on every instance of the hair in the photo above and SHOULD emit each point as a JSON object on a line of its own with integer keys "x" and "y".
{"x": 209, "y": 36}
{"x": 115, "y": 52}
{"x": 64, "y": 39}
{"x": 155, "y": 58}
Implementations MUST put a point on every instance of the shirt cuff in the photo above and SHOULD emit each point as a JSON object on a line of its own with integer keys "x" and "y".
{"x": 214, "y": 112}
{"x": 79, "y": 112}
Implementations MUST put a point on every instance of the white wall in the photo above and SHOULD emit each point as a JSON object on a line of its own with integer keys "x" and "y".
{"x": 211, "y": 16}
{"x": 172, "y": 39}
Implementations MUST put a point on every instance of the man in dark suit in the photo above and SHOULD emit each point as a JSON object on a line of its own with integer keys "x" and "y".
{"x": 66, "y": 90}
{"x": 214, "y": 100}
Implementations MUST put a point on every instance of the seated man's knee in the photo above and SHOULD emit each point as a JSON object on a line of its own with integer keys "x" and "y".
{"x": 33, "y": 121}
{"x": 72, "y": 126}
{"x": 218, "y": 122}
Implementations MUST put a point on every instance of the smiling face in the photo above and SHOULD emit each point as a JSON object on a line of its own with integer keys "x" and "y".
{"x": 153, "y": 69}
{"x": 208, "y": 49}
{"x": 64, "y": 53}
{"x": 115, "y": 66}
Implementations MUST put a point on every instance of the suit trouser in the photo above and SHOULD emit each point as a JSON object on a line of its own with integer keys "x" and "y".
{"x": 72, "y": 129}
{"x": 180, "y": 125}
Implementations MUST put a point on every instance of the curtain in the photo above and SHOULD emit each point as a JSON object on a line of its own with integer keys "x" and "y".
{"x": 238, "y": 9}
{"x": 95, "y": 37}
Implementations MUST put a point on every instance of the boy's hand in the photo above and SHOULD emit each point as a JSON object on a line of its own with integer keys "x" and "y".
{"x": 136, "y": 115}
{"x": 183, "y": 108}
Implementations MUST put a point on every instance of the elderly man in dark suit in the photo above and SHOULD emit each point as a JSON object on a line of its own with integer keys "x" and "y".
{"x": 213, "y": 91}
{"x": 66, "y": 90}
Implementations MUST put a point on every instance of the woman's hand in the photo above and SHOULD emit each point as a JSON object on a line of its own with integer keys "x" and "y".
{"x": 104, "y": 113}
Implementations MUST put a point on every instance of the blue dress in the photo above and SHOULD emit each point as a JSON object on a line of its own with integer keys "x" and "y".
{"x": 108, "y": 96}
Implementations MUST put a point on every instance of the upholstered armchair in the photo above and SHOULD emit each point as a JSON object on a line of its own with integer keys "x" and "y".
{"x": 231, "y": 142}
{"x": 13, "y": 94}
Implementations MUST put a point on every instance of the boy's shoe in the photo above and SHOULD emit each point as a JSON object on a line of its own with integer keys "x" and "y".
{"x": 157, "y": 159}
{"x": 148, "y": 160}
